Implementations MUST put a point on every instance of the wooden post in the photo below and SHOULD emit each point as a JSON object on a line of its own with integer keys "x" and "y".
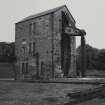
{"x": 83, "y": 56}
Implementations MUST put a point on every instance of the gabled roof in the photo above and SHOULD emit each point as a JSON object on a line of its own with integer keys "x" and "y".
{"x": 45, "y": 13}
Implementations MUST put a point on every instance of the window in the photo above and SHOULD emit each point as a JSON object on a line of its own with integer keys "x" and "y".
{"x": 30, "y": 29}
{"x": 24, "y": 42}
{"x": 22, "y": 67}
{"x": 26, "y": 68}
{"x": 65, "y": 19}
{"x": 22, "y": 50}
{"x": 30, "y": 47}
{"x": 34, "y": 28}
{"x": 33, "y": 48}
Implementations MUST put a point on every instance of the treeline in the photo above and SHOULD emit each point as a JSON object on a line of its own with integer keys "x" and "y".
{"x": 7, "y": 52}
{"x": 94, "y": 58}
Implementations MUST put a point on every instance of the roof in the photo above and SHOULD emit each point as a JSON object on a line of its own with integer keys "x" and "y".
{"x": 44, "y": 13}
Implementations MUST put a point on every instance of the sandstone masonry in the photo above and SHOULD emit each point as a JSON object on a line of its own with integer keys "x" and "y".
{"x": 42, "y": 49}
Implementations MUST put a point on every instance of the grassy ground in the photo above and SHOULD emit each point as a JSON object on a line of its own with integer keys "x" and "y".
{"x": 95, "y": 73}
{"x": 6, "y": 70}
{"x": 19, "y": 93}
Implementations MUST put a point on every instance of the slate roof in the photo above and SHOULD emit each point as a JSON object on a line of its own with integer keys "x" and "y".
{"x": 44, "y": 13}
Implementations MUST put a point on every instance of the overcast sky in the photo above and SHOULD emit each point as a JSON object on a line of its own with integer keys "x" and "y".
{"x": 89, "y": 15}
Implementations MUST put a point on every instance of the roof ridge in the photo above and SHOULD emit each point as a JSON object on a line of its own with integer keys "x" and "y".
{"x": 42, "y": 13}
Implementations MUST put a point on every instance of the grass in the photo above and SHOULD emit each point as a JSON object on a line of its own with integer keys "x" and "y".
{"x": 6, "y": 70}
{"x": 95, "y": 73}
{"x": 20, "y": 93}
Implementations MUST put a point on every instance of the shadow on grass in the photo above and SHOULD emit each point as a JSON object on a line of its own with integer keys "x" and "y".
{"x": 84, "y": 98}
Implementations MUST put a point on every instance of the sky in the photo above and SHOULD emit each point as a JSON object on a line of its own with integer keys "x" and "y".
{"x": 89, "y": 15}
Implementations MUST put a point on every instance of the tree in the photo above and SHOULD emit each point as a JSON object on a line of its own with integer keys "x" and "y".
{"x": 95, "y": 58}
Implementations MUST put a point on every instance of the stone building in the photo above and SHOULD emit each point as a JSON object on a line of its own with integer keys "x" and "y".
{"x": 42, "y": 48}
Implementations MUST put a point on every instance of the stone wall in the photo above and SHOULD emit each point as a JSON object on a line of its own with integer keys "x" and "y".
{"x": 57, "y": 44}
{"x": 42, "y": 39}
{"x": 47, "y": 38}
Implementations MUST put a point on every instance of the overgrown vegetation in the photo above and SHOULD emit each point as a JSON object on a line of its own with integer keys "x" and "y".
{"x": 7, "y": 52}
{"x": 94, "y": 58}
